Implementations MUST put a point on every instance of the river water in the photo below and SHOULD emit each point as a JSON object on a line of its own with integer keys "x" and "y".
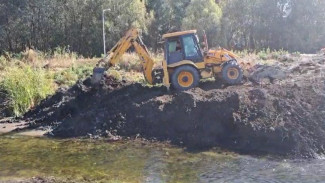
{"x": 75, "y": 160}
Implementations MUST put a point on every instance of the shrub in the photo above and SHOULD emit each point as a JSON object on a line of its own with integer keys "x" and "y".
{"x": 130, "y": 62}
{"x": 3, "y": 62}
{"x": 263, "y": 54}
{"x": 115, "y": 74}
{"x": 297, "y": 54}
{"x": 136, "y": 77}
{"x": 25, "y": 87}
{"x": 66, "y": 77}
{"x": 69, "y": 76}
{"x": 277, "y": 54}
{"x": 242, "y": 53}
{"x": 64, "y": 53}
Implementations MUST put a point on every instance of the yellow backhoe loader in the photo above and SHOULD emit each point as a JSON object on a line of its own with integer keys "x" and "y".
{"x": 184, "y": 65}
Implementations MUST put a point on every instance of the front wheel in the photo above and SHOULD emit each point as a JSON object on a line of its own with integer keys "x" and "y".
{"x": 232, "y": 73}
{"x": 185, "y": 77}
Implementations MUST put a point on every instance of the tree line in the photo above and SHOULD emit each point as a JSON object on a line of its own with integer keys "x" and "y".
{"x": 293, "y": 25}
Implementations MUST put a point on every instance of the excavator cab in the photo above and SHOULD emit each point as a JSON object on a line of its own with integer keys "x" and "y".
{"x": 183, "y": 47}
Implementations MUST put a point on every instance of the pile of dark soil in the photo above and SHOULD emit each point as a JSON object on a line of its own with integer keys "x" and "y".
{"x": 279, "y": 110}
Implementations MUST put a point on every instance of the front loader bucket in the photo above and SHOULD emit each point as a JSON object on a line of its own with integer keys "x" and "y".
{"x": 97, "y": 76}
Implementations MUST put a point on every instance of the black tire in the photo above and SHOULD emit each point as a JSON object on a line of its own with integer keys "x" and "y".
{"x": 187, "y": 75}
{"x": 231, "y": 73}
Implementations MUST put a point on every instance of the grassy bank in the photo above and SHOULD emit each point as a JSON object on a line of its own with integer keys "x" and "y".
{"x": 25, "y": 87}
{"x": 29, "y": 77}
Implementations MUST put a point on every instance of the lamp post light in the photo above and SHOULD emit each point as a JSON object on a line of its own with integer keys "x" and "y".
{"x": 104, "y": 35}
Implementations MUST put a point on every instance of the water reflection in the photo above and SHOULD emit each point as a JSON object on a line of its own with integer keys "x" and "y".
{"x": 138, "y": 161}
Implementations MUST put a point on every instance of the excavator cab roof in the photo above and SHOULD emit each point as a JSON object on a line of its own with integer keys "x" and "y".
{"x": 176, "y": 34}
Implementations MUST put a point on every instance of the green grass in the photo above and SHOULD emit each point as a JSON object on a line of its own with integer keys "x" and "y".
{"x": 267, "y": 54}
{"x": 64, "y": 53}
{"x": 69, "y": 76}
{"x": 25, "y": 87}
{"x": 24, "y": 82}
{"x": 132, "y": 62}
{"x": 264, "y": 54}
{"x": 4, "y": 61}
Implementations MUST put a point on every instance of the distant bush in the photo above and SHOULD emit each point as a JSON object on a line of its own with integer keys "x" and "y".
{"x": 130, "y": 62}
{"x": 25, "y": 87}
{"x": 5, "y": 59}
{"x": 277, "y": 54}
{"x": 264, "y": 54}
{"x": 69, "y": 76}
{"x": 115, "y": 74}
{"x": 242, "y": 53}
{"x": 3, "y": 62}
{"x": 64, "y": 53}
{"x": 267, "y": 54}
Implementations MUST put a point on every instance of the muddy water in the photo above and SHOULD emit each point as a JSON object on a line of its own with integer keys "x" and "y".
{"x": 24, "y": 157}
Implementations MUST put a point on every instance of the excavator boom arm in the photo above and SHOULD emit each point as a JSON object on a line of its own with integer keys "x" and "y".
{"x": 147, "y": 61}
{"x": 130, "y": 39}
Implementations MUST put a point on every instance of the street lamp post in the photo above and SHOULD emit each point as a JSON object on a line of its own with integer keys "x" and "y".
{"x": 104, "y": 35}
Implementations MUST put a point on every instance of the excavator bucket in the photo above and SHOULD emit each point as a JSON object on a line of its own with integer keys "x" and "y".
{"x": 97, "y": 76}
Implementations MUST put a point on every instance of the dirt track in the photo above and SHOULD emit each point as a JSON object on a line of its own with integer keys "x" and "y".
{"x": 279, "y": 110}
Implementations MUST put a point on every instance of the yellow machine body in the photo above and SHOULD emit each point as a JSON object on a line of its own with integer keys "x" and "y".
{"x": 184, "y": 64}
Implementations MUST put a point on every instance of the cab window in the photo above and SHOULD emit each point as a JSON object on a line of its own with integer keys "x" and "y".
{"x": 172, "y": 46}
{"x": 190, "y": 47}
{"x": 175, "y": 51}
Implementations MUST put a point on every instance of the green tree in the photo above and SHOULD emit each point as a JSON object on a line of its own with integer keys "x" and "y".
{"x": 77, "y": 24}
{"x": 294, "y": 25}
{"x": 204, "y": 15}
{"x": 305, "y": 28}
{"x": 167, "y": 17}
{"x": 122, "y": 16}
{"x": 237, "y": 23}
{"x": 11, "y": 25}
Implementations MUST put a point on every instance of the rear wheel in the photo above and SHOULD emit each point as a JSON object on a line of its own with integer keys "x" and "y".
{"x": 185, "y": 77}
{"x": 232, "y": 73}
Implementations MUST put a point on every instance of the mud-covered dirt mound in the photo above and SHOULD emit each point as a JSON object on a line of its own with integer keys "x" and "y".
{"x": 279, "y": 110}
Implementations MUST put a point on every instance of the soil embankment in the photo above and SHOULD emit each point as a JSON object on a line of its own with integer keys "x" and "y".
{"x": 280, "y": 109}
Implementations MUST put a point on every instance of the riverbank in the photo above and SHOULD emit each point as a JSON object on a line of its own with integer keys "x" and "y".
{"x": 9, "y": 126}
{"x": 278, "y": 110}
